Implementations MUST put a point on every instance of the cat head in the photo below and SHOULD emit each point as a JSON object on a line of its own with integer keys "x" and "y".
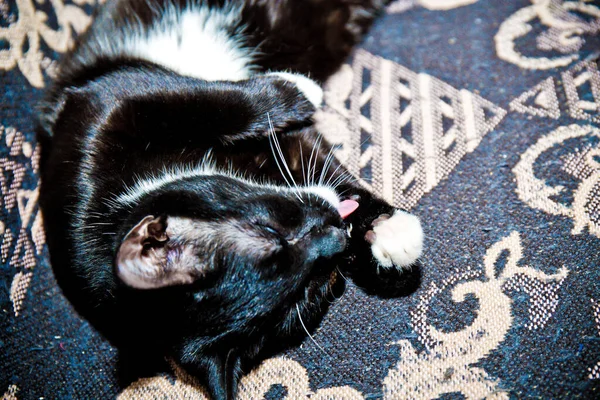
{"x": 255, "y": 223}
{"x": 258, "y": 265}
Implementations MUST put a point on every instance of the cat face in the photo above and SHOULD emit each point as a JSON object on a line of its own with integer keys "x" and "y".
{"x": 263, "y": 225}
{"x": 252, "y": 258}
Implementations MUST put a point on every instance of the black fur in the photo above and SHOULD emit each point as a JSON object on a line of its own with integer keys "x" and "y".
{"x": 111, "y": 120}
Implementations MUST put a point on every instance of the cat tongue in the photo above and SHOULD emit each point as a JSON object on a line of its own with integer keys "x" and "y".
{"x": 347, "y": 207}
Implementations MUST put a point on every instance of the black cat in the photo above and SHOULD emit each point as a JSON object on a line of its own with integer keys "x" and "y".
{"x": 191, "y": 208}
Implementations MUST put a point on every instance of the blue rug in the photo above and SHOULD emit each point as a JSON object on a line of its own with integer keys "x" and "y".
{"x": 481, "y": 116}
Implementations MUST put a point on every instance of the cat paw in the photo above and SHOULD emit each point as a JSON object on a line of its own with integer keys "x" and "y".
{"x": 396, "y": 240}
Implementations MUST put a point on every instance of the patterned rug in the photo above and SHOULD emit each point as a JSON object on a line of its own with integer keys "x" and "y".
{"x": 481, "y": 116}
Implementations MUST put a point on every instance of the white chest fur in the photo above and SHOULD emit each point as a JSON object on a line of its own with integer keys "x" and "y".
{"x": 195, "y": 42}
{"x": 198, "y": 42}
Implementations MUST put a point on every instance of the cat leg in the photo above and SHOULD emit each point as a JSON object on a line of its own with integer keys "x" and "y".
{"x": 311, "y": 37}
{"x": 385, "y": 245}
{"x": 396, "y": 240}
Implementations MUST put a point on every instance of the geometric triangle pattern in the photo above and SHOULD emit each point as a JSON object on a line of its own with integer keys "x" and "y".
{"x": 582, "y": 87}
{"x": 541, "y": 101}
{"x": 27, "y": 38}
{"x": 401, "y": 132}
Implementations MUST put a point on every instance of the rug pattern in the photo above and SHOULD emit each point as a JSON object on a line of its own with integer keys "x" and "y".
{"x": 481, "y": 116}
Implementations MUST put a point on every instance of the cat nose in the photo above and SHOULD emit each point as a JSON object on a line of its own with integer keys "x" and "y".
{"x": 329, "y": 240}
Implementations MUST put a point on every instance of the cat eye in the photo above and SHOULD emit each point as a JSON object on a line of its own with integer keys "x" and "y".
{"x": 269, "y": 229}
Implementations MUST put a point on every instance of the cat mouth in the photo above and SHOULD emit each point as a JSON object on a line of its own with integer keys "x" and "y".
{"x": 347, "y": 207}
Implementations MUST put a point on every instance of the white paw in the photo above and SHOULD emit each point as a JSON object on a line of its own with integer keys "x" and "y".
{"x": 396, "y": 240}
{"x": 309, "y": 88}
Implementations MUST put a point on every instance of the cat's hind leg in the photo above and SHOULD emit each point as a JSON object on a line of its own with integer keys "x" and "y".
{"x": 311, "y": 37}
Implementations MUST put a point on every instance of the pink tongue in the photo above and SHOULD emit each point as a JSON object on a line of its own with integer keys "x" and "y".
{"x": 347, "y": 207}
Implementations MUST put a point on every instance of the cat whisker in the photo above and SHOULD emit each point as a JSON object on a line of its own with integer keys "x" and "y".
{"x": 308, "y": 333}
{"x": 344, "y": 177}
{"x": 277, "y": 154}
{"x": 110, "y": 202}
{"x": 100, "y": 223}
{"x": 310, "y": 161}
{"x": 96, "y": 214}
{"x": 283, "y": 160}
{"x": 333, "y": 174}
{"x": 326, "y": 165}
{"x": 342, "y": 275}
{"x": 312, "y": 166}
{"x": 335, "y": 298}
{"x": 341, "y": 182}
{"x": 302, "y": 164}
{"x": 319, "y": 141}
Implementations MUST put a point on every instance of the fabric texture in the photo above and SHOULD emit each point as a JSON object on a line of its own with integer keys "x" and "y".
{"x": 480, "y": 116}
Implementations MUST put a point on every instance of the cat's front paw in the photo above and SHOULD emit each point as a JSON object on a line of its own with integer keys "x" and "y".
{"x": 397, "y": 240}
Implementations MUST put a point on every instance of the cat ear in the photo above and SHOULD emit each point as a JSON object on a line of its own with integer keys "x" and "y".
{"x": 147, "y": 259}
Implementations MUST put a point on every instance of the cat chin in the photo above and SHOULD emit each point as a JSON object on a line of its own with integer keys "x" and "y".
{"x": 220, "y": 362}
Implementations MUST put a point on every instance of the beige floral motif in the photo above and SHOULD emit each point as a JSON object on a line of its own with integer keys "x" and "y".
{"x": 595, "y": 370}
{"x": 18, "y": 290}
{"x": 20, "y": 247}
{"x": 447, "y": 365}
{"x": 183, "y": 386}
{"x": 276, "y": 371}
{"x": 401, "y": 133}
{"x": 11, "y": 393}
{"x": 402, "y": 5}
{"x": 584, "y": 166}
{"x": 445, "y": 4}
{"x": 564, "y": 34}
{"x": 30, "y": 29}
{"x": 294, "y": 378}
{"x": 399, "y": 6}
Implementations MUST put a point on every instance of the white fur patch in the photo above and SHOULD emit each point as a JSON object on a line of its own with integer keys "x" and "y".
{"x": 309, "y": 88}
{"x": 151, "y": 183}
{"x": 142, "y": 274}
{"x": 136, "y": 272}
{"x": 326, "y": 193}
{"x": 154, "y": 182}
{"x": 194, "y": 42}
{"x": 398, "y": 240}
